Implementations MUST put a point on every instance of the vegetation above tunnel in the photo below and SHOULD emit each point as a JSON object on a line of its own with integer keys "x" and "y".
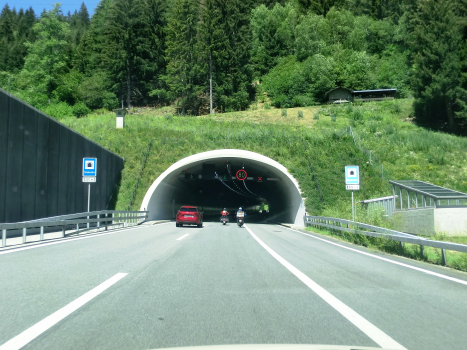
{"x": 399, "y": 149}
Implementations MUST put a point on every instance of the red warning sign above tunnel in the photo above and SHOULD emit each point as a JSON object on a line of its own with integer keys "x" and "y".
{"x": 241, "y": 175}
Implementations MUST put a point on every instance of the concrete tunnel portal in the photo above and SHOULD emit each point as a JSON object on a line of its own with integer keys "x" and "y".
{"x": 209, "y": 180}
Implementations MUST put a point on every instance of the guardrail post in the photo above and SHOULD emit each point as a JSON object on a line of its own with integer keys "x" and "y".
{"x": 63, "y": 231}
{"x": 4, "y": 237}
{"x": 41, "y": 237}
{"x": 402, "y": 245}
{"x": 443, "y": 257}
{"x": 106, "y": 222}
{"x": 422, "y": 250}
{"x": 24, "y": 234}
{"x": 98, "y": 217}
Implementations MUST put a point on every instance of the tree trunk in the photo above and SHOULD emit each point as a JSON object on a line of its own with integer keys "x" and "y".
{"x": 450, "y": 114}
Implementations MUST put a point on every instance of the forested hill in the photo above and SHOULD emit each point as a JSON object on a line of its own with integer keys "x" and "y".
{"x": 292, "y": 52}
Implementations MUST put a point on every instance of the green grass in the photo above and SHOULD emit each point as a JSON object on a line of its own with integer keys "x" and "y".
{"x": 455, "y": 260}
{"x": 404, "y": 150}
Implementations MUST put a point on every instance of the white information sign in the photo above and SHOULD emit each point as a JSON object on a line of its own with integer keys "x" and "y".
{"x": 89, "y": 179}
{"x": 352, "y": 175}
{"x": 352, "y": 187}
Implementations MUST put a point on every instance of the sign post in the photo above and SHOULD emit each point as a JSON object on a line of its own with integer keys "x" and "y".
{"x": 89, "y": 176}
{"x": 352, "y": 182}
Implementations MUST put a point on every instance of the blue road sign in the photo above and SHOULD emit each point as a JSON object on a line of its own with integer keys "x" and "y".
{"x": 89, "y": 166}
{"x": 352, "y": 175}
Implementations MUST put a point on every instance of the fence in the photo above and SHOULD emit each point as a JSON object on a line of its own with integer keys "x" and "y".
{"x": 386, "y": 203}
{"x": 104, "y": 218}
{"x": 374, "y": 231}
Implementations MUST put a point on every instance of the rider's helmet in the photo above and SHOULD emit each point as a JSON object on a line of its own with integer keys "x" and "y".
{"x": 240, "y": 208}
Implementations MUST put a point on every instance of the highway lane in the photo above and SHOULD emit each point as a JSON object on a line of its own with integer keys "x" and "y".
{"x": 218, "y": 285}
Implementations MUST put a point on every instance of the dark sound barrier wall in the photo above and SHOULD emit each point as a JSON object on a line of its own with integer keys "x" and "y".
{"x": 41, "y": 166}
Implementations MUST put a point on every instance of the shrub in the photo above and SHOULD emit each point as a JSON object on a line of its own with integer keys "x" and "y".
{"x": 267, "y": 106}
{"x": 59, "y": 110}
{"x": 300, "y": 114}
{"x": 357, "y": 114}
{"x": 80, "y": 110}
{"x": 302, "y": 101}
{"x": 281, "y": 101}
{"x": 284, "y": 113}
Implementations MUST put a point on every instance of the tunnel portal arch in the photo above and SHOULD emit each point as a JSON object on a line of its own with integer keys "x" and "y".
{"x": 267, "y": 181}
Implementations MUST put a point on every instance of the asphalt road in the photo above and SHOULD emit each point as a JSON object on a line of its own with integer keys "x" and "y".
{"x": 172, "y": 287}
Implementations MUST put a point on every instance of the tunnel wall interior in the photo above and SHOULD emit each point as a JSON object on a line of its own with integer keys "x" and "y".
{"x": 41, "y": 165}
{"x": 208, "y": 180}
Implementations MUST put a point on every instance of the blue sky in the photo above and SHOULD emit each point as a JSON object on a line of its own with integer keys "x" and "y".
{"x": 39, "y": 5}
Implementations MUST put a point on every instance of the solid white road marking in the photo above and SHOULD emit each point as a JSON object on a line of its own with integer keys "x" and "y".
{"x": 31, "y": 333}
{"x": 377, "y": 335}
{"x": 180, "y": 238}
{"x": 385, "y": 259}
{"x": 72, "y": 239}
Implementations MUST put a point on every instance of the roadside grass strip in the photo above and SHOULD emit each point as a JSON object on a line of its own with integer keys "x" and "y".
{"x": 455, "y": 260}
{"x": 384, "y": 259}
{"x": 373, "y": 332}
{"x": 36, "y": 330}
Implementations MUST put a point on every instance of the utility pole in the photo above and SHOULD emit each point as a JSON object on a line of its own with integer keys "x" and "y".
{"x": 210, "y": 84}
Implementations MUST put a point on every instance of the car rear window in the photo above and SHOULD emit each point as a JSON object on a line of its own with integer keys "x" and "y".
{"x": 189, "y": 210}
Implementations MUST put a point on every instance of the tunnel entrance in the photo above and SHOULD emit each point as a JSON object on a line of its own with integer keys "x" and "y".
{"x": 227, "y": 178}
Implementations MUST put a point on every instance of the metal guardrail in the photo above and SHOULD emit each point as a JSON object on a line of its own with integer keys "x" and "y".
{"x": 103, "y": 218}
{"x": 380, "y": 232}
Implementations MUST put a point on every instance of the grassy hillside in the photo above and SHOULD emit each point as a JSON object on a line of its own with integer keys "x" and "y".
{"x": 322, "y": 137}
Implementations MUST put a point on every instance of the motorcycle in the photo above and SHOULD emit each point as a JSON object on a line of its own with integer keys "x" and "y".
{"x": 224, "y": 219}
{"x": 240, "y": 222}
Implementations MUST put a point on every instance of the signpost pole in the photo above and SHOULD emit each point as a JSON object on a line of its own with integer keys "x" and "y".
{"x": 89, "y": 199}
{"x": 353, "y": 210}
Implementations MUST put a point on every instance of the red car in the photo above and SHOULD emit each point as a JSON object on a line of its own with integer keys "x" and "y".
{"x": 189, "y": 215}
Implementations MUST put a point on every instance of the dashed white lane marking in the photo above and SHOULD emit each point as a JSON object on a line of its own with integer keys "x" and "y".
{"x": 377, "y": 335}
{"x": 67, "y": 240}
{"x": 180, "y": 238}
{"x": 384, "y": 259}
{"x": 31, "y": 333}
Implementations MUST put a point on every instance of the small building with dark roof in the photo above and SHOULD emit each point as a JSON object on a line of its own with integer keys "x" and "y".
{"x": 343, "y": 95}
{"x": 373, "y": 95}
{"x": 339, "y": 95}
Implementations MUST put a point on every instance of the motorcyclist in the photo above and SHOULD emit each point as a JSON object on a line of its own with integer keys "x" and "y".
{"x": 240, "y": 213}
{"x": 224, "y": 214}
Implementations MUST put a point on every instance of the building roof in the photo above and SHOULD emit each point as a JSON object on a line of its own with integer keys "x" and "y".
{"x": 377, "y": 90}
{"x": 336, "y": 88}
{"x": 429, "y": 190}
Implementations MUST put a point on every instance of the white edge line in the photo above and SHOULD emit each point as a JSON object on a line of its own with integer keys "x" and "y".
{"x": 453, "y": 279}
{"x": 19, "y": 249}
{"x": 180, "y": 238}
{"x": 373, "y": 332}
{"x": 34, "y": 331}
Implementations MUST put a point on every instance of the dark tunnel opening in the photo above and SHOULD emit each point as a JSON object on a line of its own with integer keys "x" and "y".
{"x": 227, "y": 179}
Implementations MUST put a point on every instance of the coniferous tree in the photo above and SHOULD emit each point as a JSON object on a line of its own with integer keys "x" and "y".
{"x": 234, "y": 71}
{"x": 436, "y": 42}
{"x": 183, "y": 68}
{"x": 7, "y": 20}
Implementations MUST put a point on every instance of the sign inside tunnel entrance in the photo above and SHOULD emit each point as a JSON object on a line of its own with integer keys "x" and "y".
{"x": 241, "y": 175}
